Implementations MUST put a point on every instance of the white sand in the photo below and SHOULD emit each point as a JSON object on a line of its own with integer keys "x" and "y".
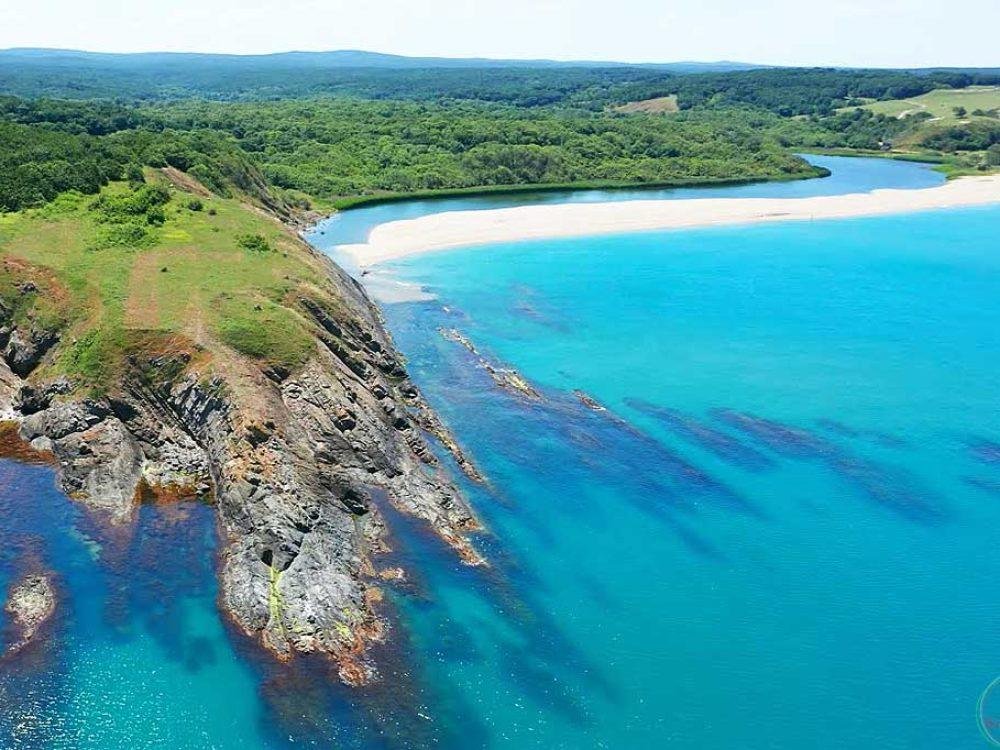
{"x": 399, "y": 239}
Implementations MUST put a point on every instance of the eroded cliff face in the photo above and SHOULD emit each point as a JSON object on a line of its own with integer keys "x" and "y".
{"x": 294, "y": 460}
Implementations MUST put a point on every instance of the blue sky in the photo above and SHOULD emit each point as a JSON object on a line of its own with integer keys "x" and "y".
{"x": 808, "y": 32}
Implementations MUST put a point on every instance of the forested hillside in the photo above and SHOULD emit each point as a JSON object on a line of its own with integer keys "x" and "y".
{"x": 295, "y": 129}
{"x": 147, "y": 77}
{"x": 336, "y": 149}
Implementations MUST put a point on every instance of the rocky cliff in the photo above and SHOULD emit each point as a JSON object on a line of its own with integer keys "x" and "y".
{"x": 296, "y": 459}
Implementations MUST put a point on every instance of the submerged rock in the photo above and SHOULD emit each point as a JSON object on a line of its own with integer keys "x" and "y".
{"x": 30, "y": 604}
{"x": 505, "y": 377}
{"x": 589, "y": 401}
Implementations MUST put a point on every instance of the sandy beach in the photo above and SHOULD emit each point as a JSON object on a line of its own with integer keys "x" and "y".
{"x": 454, "y": 229}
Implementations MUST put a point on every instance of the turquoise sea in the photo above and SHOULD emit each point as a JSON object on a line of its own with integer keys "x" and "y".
{"x": 779, "y": 532}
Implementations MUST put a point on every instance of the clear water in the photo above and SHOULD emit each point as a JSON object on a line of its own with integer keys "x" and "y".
{"x": 779, "y": 535}
{"x": 782, "y": 534}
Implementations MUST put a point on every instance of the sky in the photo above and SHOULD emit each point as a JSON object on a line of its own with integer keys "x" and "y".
{"x": 878, "y": 33}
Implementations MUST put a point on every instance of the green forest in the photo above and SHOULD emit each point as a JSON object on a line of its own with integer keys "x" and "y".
{"x": 297, "y": 133}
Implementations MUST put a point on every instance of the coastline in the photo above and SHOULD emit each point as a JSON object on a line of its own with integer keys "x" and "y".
{"x": 400, "y": 239}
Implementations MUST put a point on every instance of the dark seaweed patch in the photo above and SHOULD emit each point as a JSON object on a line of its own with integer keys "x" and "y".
{"x": 547, "y": 662}
{"x": 889, "y": 487}
{"x": 784, "y": 439}
{"x": 715, "y": 441}
{"x": 985, "y": 451}
{"x": 840, "y": 429}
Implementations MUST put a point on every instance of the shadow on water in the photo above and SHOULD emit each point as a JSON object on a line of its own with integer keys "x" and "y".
{"x": 718, "y": 443}
{"x": 839, "y": 429}
{"x": 164, "y": 557}
{"x": 886, "y": 486}
{"x": 984, "y": 450}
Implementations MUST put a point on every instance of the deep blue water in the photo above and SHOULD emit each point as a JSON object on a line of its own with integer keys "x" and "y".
{"x": 779, "y": 534}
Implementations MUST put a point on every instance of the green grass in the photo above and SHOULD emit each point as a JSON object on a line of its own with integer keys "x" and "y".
{"x": 941, "y": 103}
{"x": 263, "y": 330}
{"x": 193, "y": 286}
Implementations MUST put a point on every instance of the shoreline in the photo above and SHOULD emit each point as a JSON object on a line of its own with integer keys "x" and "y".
{"x": 460, "y": 229}
{"x": 479, "y": 191}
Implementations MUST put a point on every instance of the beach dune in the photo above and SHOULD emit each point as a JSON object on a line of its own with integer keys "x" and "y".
{"x": 399, "y": 239}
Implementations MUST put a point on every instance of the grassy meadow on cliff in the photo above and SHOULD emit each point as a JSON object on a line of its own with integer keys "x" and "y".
{"x": 193, "y": 281}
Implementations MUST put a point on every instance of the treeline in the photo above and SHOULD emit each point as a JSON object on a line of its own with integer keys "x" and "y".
{"x": 796, "y": 91}
{"x": 203, "y": 79}
{"x": 978, "y": 135}
{"x": 148, "y": 78}
{"x": 345, "y": 148}
{"x": 282, "y": 153}
{"x": 37, "y": 164}
{"x": 332, "y": 148}
{"x": 48, "y": 147}
{"x": 853, "y": 128}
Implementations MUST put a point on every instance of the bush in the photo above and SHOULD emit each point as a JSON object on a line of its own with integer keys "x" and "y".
{"x": 134, "y": 174}
{"x": 195, "y": 205}
{"x": 254, "y": 243}
{"x": 146, "y": 202}
{"x": 126, "y": 217}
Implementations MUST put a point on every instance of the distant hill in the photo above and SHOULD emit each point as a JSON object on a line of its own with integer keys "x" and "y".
{"x": 158, "y": 76}
{"x": 332, "y": 60}
{"x": 72, "y": 74}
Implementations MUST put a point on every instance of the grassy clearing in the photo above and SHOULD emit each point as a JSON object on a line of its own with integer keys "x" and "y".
{"x": 190, "y": 284}
{"x": 660, "y": 105}
{"x": 263, "y": 330}
{"x": 941, "y": 103}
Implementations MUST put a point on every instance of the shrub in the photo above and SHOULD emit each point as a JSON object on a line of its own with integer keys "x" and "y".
{"x": 254, "y": 243}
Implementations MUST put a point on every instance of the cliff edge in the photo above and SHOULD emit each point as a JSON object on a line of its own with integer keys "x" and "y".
{"x": 271, "y": 387}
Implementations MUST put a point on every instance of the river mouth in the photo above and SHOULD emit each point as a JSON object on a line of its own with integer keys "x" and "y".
{"x": 848, "y": 175}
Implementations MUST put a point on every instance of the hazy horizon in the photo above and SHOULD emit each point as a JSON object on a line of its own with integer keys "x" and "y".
{"x": 490, "y": 58}
{"x": 845, "y": 33}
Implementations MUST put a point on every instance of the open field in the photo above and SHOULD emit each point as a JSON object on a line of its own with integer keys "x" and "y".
{"x": 658, "y": 106}
{"x": 940, "y": 103}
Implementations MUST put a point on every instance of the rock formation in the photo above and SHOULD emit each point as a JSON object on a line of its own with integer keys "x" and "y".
{"x": 297, "y": 463}
{"x": 30, "y": 604}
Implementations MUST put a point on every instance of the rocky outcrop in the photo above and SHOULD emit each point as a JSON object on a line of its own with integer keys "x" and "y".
{"x": 100, "y": 462}
{"x": 298, "y": 462}
{"x": 505, "y": 377}
{"x": 23, "y": 347}
{"x": 9, "y": 384}
{"x": 30, "y": 604}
